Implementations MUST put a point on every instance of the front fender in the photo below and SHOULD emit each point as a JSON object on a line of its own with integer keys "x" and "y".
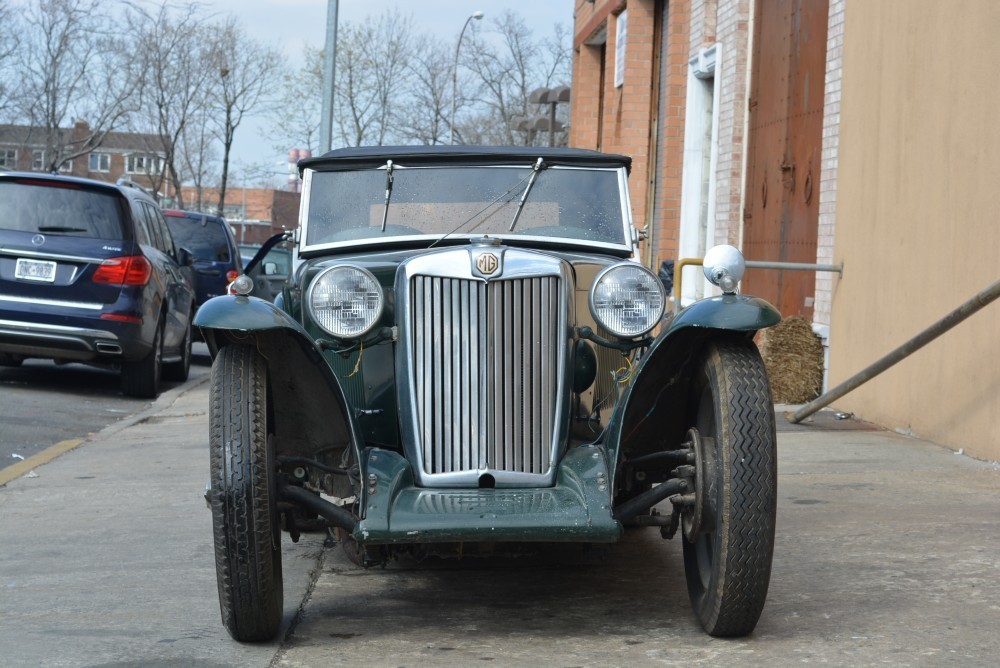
{"x": 311, "y": 416}
{"x": 652, "y": 414}
{"x": 243, "y": 313}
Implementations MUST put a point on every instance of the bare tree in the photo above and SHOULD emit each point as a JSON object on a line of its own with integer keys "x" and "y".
{"x": 175, "y": 47}
{"x": 371, "y": 69}
{"x": 247, "y": 73}
{"x": 74, "y": 65}
{"x": 393, "y": 85}
{"x": 509, "y": 68}
{"x": 295, "y": 116}
{"x": 429, "y": 107}
{"x": 199, "y": 156}
{"x": 9, "y": 43}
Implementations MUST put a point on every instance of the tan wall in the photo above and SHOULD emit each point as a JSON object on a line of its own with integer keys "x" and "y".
{"x": 917, "y": 222}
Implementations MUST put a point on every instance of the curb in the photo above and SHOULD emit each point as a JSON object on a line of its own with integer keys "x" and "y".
{"x": 53, "y": 452}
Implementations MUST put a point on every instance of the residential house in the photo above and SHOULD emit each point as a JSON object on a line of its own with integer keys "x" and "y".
{"x": 135, "y": 156}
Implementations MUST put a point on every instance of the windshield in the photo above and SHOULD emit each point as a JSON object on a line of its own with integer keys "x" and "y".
{"x": 57, "y": 208}
{"x": 204, "y": 238}
{"x": 563, "y": 203}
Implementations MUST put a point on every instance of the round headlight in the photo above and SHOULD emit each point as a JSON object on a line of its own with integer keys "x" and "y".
{"x": 345, "y": 301}
{"x": 627, "y": 299}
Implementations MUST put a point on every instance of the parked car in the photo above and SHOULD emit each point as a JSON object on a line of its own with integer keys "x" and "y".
{"x": 470, "y": 358}
{"x": 89, "y": 273}
{"x": 271, "y": 271}
{"x": 210, "y": 241}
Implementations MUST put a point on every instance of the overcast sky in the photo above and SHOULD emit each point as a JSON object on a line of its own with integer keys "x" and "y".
{"x": 289, "y": 24}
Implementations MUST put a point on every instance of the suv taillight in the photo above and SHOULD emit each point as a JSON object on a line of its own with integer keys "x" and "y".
{"x": 130, "y": 270}
{"x": 231, "y": 276}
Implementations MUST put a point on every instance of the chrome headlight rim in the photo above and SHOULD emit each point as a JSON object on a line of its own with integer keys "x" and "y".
{"x": 654, "y": 280}
{"x": 373, "y": 281}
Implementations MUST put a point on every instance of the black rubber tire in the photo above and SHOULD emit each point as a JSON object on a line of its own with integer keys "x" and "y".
{"x": 7, "y": 359}
{"x": 177, "y": 372}
{"x": 243, "y": 497}
{"x": 142, "y": 378}
{"x": 728, "y": 566}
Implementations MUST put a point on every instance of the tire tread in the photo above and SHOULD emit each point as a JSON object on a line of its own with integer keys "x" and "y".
{"x": 248, "y": 564}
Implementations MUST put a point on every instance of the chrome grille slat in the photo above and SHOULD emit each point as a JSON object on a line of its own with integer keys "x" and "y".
{"x": 484, "y": 365}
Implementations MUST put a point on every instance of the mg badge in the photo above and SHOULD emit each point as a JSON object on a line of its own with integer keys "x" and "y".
{"x": 487, "y": 263}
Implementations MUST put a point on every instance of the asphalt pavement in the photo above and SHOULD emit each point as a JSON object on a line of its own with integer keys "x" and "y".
{"x": 887, "y": 553}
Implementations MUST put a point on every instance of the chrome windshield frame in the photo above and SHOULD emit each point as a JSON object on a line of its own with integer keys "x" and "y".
{"x": 518, "y": 239}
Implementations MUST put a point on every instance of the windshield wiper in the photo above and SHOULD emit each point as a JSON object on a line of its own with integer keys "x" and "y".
{"x": 539, "y": 165}
{"x": 388, "y": 191}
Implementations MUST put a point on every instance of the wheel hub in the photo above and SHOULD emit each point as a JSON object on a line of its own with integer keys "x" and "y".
{"x": 698, "y": 515}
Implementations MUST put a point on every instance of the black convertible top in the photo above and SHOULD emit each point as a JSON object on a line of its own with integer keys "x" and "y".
{"x": 367, "y": 157}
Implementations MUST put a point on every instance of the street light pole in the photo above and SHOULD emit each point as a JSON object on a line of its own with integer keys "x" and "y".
{"x": 329, "y": 63}
{"x": 454, "y": 73}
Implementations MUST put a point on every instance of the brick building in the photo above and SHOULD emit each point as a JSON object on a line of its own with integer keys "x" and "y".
{"x": 132, "y": 155}
{"x": 254, "y": 213}
{"x": 835, "y": 132}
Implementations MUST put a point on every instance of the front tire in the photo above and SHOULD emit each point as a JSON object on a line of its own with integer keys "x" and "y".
{"x": 727, "y": 562}
{"x": 243, "y": 497}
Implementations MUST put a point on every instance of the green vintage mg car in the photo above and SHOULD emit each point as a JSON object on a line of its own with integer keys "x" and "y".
{"x": 468, "y": 357}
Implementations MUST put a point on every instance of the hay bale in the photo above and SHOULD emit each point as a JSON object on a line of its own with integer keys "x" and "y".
{"x": 793, "y": 356}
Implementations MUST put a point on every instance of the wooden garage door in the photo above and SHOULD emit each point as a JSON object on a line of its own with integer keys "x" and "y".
{"x": 784, "y": 147}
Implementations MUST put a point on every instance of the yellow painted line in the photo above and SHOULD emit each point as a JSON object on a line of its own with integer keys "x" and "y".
{"x": 15, "y": 471}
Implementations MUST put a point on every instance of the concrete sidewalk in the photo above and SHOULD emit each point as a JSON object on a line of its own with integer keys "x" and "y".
{"x": 887, "y": 552}
{"x": 106, "y": 552}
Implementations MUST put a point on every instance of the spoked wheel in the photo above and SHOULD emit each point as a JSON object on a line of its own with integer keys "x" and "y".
{"x": 244, "y": 496}
{"x": 729, "y": 531}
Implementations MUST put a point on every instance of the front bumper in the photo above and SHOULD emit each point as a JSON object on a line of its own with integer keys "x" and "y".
{"x": 89, "y": 340}
{"x": 576, "y": 509}
{"x": 32, "y": 339}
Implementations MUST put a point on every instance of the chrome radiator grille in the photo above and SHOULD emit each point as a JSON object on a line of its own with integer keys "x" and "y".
{"x": 485, "y": 372}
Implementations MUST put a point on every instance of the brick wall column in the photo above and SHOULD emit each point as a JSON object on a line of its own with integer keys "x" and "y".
{"x": 828, "y": 174}
{"x": 585, "y": 103}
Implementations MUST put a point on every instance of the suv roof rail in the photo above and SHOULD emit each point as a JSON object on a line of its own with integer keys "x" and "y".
{"x": 128, "y": 183}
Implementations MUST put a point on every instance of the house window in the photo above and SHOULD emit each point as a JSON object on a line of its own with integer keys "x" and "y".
{"x": 8, "y": 158}
{"x": 621, "y": 40}
{"x": 143, "y": 164}
{"x": 37, "y": 161}
{"x": 99, "y": 162}
{"x": 66, "y": 167}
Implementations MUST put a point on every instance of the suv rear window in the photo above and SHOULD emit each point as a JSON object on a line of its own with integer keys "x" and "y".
{"x": 59, "y": 208}
{"x": 203, "y": 236}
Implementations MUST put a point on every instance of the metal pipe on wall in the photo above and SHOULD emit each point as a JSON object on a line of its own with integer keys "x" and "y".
{"x": 981, "y": 299}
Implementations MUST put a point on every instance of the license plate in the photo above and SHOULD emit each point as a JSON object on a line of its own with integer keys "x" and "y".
{"x": 35, "y": 270}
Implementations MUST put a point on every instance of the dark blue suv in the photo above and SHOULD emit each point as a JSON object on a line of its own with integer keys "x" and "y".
{"x": 89, "y": 272}
{"x": 208, "y": 238}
